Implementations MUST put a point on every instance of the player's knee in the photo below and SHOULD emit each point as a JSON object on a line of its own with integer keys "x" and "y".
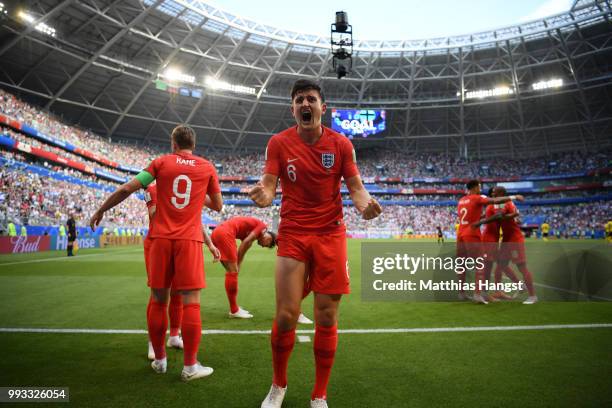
{"x": 190, "y": 296}
{"x": 286, "y": 317}
{"x": 326, "y": 316}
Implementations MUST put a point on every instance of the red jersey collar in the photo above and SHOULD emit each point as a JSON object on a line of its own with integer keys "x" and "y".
{"x": 324, "y": 132}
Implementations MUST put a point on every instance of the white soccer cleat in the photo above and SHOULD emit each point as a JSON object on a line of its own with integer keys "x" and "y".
{"x": 464, "y": 296}
{"x": 160, "y": 366}
{"x": 303, "y": 319}
{"x": 318, "y": 403}
{"x": 175, "y": 342}
{"x": 195, "y": 371}
{"x": 479, "y": 299}
{"x": 151, "y": 353}
{"x": 241, "y": 314}
{"x": 531, "y": 300}
{"x": 520, "y": 291}
{"x": 275, "y": 397}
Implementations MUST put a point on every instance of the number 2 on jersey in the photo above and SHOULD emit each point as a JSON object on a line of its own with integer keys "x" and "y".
{"x": 463, "y": 212}
{"x": 184, "y": 196}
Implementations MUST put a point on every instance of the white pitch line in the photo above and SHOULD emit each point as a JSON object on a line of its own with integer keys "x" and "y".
{"x": 69, "y": 259}
{"x": 571, "y": 292}
{"x": 345, "y": 331}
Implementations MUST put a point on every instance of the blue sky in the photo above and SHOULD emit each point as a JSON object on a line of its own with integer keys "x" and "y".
{"x": 395, "y": 20}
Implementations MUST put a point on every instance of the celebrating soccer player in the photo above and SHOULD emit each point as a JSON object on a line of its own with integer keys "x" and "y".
{"x": 490, "y": 245}
{"x": 185, "y": 184}
{"x": 310, "y": 160}
{"x": 175, "y": 309}
{"x": 469, "y": 240}
{"x": 513, "y": 245}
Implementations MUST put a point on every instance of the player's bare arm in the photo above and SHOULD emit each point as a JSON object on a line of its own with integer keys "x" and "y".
{"x": 493, "y": 218}
{"x": 152, "y": 210}
{"x": 501, "y": 200}
{"x": 367, "y": 206}
{"x": 211, "y": 247}
{"x": 264, "y": 191}
{"x": 245, "y": 245}
{"x": 214, "y": 202}
{"x": 123, "y": 192}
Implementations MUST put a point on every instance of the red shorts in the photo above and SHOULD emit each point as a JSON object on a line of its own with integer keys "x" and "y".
{"x": 490, "y": 249}
{"x": 226, "y": 244}
{"x": 469, "y": 246}
{"x": 513, "y": 251}
{"x": 325, "y": 257}
{"x": 176, "y": 263}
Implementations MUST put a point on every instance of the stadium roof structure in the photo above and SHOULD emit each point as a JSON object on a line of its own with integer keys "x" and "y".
{"x": 532, "y": 88}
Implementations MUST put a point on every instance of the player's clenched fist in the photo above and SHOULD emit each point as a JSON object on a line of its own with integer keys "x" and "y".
{"x": 95, "y": 220}
{"x": 372, "y": 210}
{"x": 259, "y": 195}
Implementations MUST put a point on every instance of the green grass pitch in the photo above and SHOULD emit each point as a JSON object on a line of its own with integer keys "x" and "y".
{"x": 106, "y": 289}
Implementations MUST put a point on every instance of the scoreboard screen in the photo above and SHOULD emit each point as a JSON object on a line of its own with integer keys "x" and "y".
{"x": 358, "y": 123}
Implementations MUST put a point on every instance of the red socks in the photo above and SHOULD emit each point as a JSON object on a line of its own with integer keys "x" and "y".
{"x": 282, "y": 345}
{"x": 176, "y": 313}
{"x": 157, "y": 322}
{"x": 528, "y": 278}
{"x": 192, "y": 332}
{"x": 231, "y": 288}
{"x": 325, "y": 343}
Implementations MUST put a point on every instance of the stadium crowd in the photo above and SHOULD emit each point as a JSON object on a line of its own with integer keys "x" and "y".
{"x": 372, "y": 162}
{"x": 45, "y": 122}
{"x": 32, "y": 199}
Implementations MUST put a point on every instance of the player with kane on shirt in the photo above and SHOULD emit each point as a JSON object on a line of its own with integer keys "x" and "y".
{"x": 310, "y": 160}
{"x": 469, "y": 237}
{"x": 185, "y": 184}
{"x": 175, "y": 308}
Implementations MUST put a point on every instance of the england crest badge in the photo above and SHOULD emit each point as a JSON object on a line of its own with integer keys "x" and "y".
{"x": 327, "y": 159}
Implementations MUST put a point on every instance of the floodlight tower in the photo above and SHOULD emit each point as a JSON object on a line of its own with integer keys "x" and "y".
{"x": 342, "y": 45}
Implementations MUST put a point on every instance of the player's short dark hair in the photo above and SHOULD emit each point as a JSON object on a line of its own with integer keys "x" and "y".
{"x": 471, "y": 184}
{"x": 305, "y": 85}
{"x": 273, "y": 235}
{"x": 184, "y": 137}
{"x": 490, "y": 192}
{"x": 501, "y": 190}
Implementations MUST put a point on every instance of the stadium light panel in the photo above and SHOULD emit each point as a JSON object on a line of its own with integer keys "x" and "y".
{"x": 173, "y": 74}
{"x": 41, "y": 27}
{"x": 486, "y": 93}
{"x": 216, "y": 84}
{"x": 3, "y": 9}
{"x": 552, "y": 83}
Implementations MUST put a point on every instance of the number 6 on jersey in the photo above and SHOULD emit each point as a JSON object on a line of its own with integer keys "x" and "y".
{"x": 291, "y": 172}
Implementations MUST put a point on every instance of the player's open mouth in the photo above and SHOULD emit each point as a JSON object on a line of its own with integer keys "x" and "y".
{"x": 306, "y": 116}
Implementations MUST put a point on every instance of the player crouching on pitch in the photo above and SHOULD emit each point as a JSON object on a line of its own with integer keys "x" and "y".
{"x": 224, "y": 236}
{"x": 247, "y": 230}
{"x": 185, "y": 184}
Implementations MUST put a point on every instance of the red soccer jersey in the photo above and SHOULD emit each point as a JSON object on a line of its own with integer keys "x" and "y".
{"x": 150, "y": 196}
{"x": 310, "y": 179}
{"x": 510, "y": 227}
{"x": 491, "y": 230}
{"x": 183, "y": 181}
{"x": 241, "y": 227}
{"x": 469, "y": 211}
